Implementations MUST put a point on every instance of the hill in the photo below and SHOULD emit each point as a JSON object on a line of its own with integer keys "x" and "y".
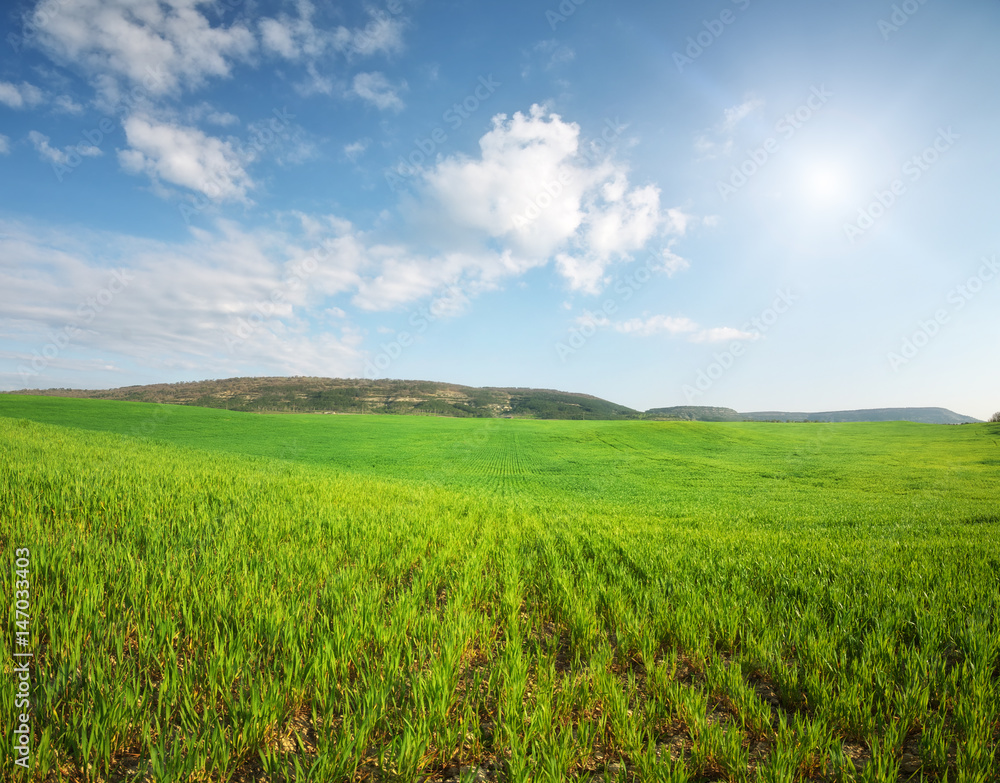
{"x": 693, "y": 413}
{"x": 918, "y": 415}
{"x": 301, "y": 394}
{"x": 353, "y": 395}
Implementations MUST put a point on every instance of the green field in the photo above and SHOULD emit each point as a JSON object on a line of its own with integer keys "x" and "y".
{"x": 231, "y": 596}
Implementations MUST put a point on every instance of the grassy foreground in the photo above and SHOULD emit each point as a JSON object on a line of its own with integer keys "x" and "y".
{"x": 222, "y": 596}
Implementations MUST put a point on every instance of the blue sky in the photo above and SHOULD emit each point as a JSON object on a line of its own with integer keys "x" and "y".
{"x": 776, "y": 205}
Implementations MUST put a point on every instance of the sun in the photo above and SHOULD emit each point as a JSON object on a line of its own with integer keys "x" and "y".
{"x": 825, "y": 182}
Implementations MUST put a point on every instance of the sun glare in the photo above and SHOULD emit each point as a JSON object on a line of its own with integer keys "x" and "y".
{"x": 825, "y": 182}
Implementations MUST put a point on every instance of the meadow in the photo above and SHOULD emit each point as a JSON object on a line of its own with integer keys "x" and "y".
{"x": 230, "y": 596}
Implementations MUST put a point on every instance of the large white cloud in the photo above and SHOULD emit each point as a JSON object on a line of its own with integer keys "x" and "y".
{"x": 542, "y": 194}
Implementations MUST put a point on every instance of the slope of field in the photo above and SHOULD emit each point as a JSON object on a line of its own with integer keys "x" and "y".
{"x": 230, "y": 596}
{"x": 659, "y": 465}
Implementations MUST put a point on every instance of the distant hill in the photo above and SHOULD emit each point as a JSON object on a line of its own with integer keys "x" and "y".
{"x": 920, "y": 415}
{"x": 349, "y": 395}
{"x": 431, "y": 398}
{"x": 693, "y": 413}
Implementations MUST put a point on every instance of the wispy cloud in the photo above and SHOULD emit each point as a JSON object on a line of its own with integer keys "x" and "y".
{"x": 182, "y": 302}
{"x": 718, "y": 141}
{"x": 20, "y": 96}
{"x": 60, "y": 157}
{"x": 375, "y": 89}
{"x": 356, "y": 149}
{"x": 670, "y": 325}
{"x": 656, "y": 324}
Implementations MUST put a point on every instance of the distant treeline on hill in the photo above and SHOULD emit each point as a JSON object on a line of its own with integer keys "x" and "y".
{"x": 431, "y": 398}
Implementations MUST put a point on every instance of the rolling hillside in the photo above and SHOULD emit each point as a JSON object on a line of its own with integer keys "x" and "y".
{"x": 432, "y": 398}
{"x": 352, "y": 395}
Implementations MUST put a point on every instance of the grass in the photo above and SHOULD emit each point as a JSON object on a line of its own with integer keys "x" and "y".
{"x": 224, "y": 596}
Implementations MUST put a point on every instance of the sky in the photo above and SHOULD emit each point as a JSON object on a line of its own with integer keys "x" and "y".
{"x": 764, "y": 206}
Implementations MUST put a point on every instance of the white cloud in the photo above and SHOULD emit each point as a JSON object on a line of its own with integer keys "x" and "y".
{"x": 450, "y": 278}
{"x": 356, "y": 149}
{"x": 719, "y": 140}
{"x": 64, "y": 104}
{"x": 23, "y": 96}
{"x": 204, "y": 111}
{"x": 382, "y": 35}
{"x": 223, "y": 118}
{"x": 734, "y": 115}
{"x": 4, "y": 145}
{"x": 61, "y": 157}
{"x": 377, "y": 90}
{"x": 277, "y": 37}
{"x": 530, "y": 198}
{"x": 526, "y": 188}
{"x": 722, "y": 334}
{"x": 673, "y": 326}
{"x": 556, "y": 53}
{"x": 299, "y": 38}
{"x": 533, "y": 191}
{"x": 673, "y": 263}
{"x": 184, "y": 156}
{"x": 163, "y": 45}
{"x": 656, "y": 324}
